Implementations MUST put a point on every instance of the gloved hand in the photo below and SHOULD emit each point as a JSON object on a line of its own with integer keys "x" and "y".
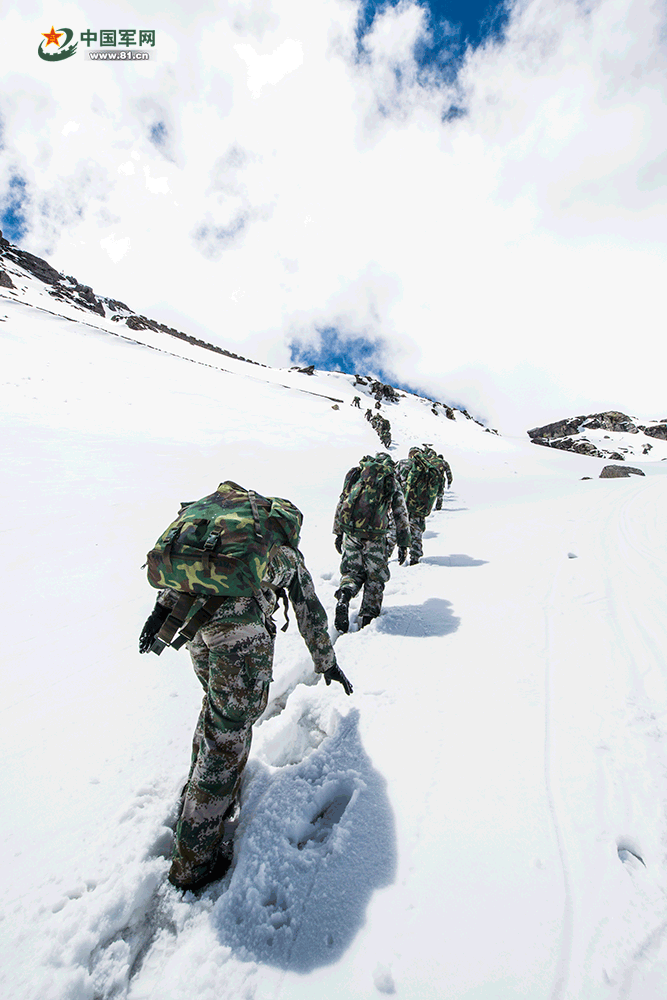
{"x": 402, "y": 555}
{"x": 336, "y": 674}
{"x": 153, "y": 624}
{"x": 339, "y": 544}
{"x": 438, "y": 505}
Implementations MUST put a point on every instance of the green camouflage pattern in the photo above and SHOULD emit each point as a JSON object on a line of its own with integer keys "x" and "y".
{"x": 232, "y": 657}
{"x": 220, "y": 545}
{"x": 422, "y": 483}
{"x": 365, "y": 563}
{"x": 287, "y": 571}
{"x": 444, "y": 468}
{"x": 368, "y": 498}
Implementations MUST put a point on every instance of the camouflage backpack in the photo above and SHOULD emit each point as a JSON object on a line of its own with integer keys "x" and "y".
{"x": 422, "y": 485}
{"x": 364, "y": 510}
{"x": 219, "y": 546}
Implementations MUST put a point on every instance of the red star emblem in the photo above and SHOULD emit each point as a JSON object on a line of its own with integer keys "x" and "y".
{"x": 53, "y": 36}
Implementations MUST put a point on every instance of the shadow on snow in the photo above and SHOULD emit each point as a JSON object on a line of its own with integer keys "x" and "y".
{"x": 431, "y": 618}
{"x": 319, "y": 840}
{"x": 455, "y": 559}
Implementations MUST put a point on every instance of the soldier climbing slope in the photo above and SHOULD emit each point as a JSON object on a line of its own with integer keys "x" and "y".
{"x": 242, "y": 548}
{"x": 446, "y": 481}
{"x": 446, "y": 473}
{"x": 421, "y": 479}
{"x": 370, "y": 493}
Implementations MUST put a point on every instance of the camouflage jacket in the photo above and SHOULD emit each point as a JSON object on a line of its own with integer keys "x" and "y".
{"x": 403, "y": 466}
{"x": 287, "y": 570}
{"x": 396, "y": 510}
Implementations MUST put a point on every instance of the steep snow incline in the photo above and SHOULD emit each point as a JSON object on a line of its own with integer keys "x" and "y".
{"x": 483, "y": 818}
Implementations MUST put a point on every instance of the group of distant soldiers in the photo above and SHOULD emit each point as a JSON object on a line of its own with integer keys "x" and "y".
{"x": 383, "y": 504}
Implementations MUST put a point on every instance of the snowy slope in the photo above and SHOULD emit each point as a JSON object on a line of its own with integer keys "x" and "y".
{"x": 483, "y": 818}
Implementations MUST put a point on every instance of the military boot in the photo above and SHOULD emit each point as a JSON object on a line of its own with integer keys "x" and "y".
{"x": 365, "y": 620}
{"x": 342, "y": 615}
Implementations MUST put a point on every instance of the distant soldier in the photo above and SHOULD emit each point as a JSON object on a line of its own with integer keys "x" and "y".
{"x": 422, "y": 479}
{"x": 231, "y": 640}
{"x": 357, "y": 402}
{"x": 446, "y": 477}
{"x": 370, "y": 493}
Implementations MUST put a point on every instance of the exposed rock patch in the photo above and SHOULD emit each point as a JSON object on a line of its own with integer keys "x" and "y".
{"x": 65, "y": 288}
{"x": 575, "y": 433}
{"x": 620, "y": 472}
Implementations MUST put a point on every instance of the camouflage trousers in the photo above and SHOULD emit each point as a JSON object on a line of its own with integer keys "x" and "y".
{"x": 417, "y": 526}
{"x": 233, "y": 664}
{"x": 365, "y": 564}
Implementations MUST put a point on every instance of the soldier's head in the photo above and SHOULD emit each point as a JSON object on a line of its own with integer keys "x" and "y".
{"x": 385, "y": 458}
{"x": 413, "y": 451}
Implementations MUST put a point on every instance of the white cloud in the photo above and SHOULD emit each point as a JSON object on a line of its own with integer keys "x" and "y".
{"x": 116, "y": 248}
{"x": 271, "y": 67}
{"x": 511, "y": 258}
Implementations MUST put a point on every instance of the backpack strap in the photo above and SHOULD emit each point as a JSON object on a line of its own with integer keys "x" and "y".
{"x": 252, "y": 497}
{"x": 173, "y": 623}
{"x": 282, "y": 594}
{"x": 196, "y": 621}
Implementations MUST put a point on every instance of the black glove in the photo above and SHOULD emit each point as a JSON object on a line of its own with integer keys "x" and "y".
{"x": 402, "y": 555}
{"x": 336, "y": 674}
{"x": 339, "y": 544}
{"x": 154, "y": 623}
{"x": 438, "y": 505}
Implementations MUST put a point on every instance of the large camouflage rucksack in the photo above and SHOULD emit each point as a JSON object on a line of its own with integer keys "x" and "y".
{"x": 422, "y": 484}
{"x": 219, "y": 546}
{"x": 364, "y": 510}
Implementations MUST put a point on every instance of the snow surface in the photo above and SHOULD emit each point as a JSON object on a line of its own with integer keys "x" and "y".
{"x": 483, "y": 818}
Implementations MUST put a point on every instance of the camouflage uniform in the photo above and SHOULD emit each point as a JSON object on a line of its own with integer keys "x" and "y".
{"x": 446, "y": 474}
{"x": 417, "y": 522}
{"x": 232, "y": 656}
{"x": 365, "y": 556}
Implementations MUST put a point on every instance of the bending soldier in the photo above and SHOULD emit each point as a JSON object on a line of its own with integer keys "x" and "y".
{"x": 232, "y": 656}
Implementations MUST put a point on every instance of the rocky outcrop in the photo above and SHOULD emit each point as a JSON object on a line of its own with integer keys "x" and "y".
{"x": 610, "y": 420}
{"x": 6, "y": 281}
{"x": 619, "y": 472}
{"x": 658, "y": 430}
{"x": 570, "y": 434}
{"x": 65, "y": 288}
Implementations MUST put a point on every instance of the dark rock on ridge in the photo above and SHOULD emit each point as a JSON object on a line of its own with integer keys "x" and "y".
{"x": 65, "y": 288}
{"x": 620, "y": 472}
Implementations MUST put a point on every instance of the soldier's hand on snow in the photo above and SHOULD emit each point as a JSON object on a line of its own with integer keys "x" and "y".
{"x": 153, "y": 624}
{"x": 336, "y": 674}
{"x": 402, "y": 555}
{"x": 339, "y": 544}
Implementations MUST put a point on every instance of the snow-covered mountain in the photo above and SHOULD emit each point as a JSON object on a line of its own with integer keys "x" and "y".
{"x": 611, "y": 435}
{"x": 484, "y": 818}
